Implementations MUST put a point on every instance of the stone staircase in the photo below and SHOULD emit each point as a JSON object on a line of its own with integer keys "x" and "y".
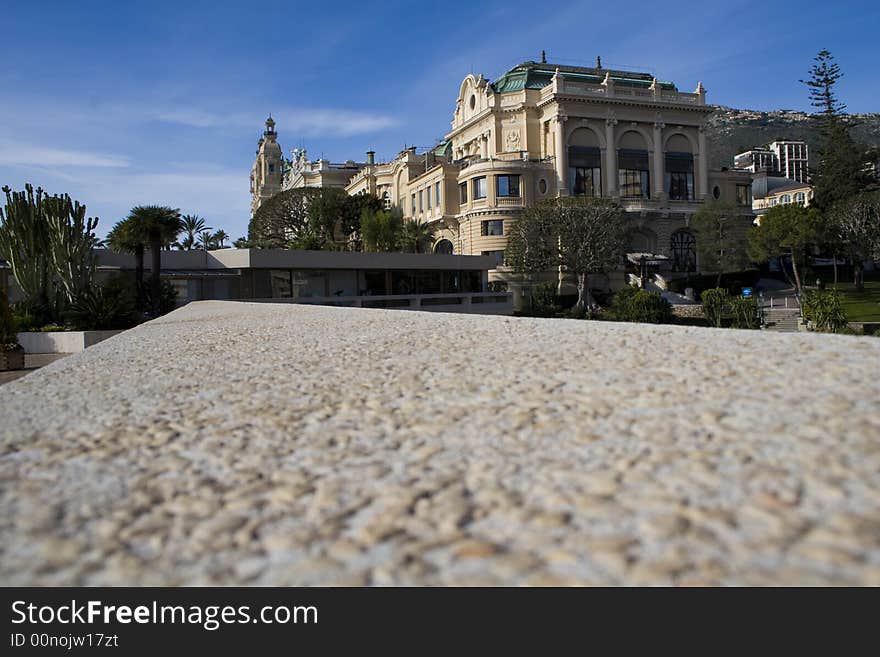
{"x": 782, "y": 319}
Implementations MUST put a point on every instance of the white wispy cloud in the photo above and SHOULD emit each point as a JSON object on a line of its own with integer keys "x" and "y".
{"x": 307, "y": 122}
{"x": 38, "y": 156}
{"x": 332, "y": 122}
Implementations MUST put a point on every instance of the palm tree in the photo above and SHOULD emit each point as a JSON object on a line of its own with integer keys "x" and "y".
{"x": 206, "y": 239}
{"x": 415, "y": 237}
{"x": 125, "y": 238}
{"x": 158, "y": 226}
{"x": 192, "y": 225}
{"x": 220, "y": 237}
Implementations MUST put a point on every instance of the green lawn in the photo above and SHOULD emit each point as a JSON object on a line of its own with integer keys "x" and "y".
{"x": 861, "y": 306}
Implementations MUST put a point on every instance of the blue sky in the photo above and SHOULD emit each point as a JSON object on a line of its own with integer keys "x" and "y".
{"x": 126, "y": 103}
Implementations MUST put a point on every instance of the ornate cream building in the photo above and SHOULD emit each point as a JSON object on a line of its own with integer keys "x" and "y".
{"x": 541, "y": 131}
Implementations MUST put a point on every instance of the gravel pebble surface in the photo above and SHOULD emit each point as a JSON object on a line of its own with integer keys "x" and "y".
{"x": 270, "y": 444}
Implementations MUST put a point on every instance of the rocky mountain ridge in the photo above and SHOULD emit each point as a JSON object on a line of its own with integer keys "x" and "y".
{"x": 732, "y": 131}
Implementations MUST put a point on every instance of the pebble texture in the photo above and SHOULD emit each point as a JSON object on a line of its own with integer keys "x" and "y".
{"x": 237, "y": 443}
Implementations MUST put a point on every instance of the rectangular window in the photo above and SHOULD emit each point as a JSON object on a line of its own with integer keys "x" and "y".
{"x": 507, "y": 186}
{"x": 428, "y": 195}
{"x": 462, "y": 192}
{"x": 271, "y": 168}
{"x": 437, "y": 194}
{"x": 480, "y": 187}
{"x": 497, "y": 256}
{"x": 492, "y": 228}
{"x": 633, "y": 174}
{"x": 413, "y": 203}
{"x": 680, "y": 176}
{"x": 584, "y": 171}
{"x": 421, "y": 199}
{"x": 742, "y": 194}
{"x": 633, "y": 184}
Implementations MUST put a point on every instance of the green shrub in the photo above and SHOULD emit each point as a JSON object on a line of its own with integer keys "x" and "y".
{"x": 714, "y": 305}
{"x": 745, "y": 312}
{"x": 24, "y": 321}
{"x": 542, "y": 301}
{"x": 635, "y": 305}
{"x": 167, "y": 297}
{"x": 104, "y": 308}
{"x": 824, "y": 311}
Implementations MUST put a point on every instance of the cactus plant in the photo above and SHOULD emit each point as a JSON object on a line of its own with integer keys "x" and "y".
{"x": 71, "y": 240}
{"x": 48, "y": 243}
{"x": 24, "y": 238}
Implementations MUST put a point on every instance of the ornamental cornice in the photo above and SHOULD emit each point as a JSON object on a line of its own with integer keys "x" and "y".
{"x": 621, "y": 102}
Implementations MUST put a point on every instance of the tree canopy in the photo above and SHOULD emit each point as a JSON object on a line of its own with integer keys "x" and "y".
{"x": 721, "y": 247}
{"x": 308, "y": 217}
{"x": 785, "y": 232}
{"x": 840, "y": 161}
{"x": 583, "y": 235}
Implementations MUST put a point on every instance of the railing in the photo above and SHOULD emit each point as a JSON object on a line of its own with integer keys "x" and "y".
{"x": 503, "y": 201}
{"x": 492, "y": 303}
{"x": 583, "y": 89}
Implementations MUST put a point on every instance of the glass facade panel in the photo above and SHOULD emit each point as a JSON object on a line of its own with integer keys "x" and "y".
{"x": 309, "y": 283}
{"x": 462, "y": 192}
{"x": 374, "y": 283}
{"x": 281, "y": 285}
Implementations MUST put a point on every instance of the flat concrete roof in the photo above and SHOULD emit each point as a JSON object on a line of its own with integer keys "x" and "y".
{"x": 290, "y": 259}
{"x": 247, "y": 443}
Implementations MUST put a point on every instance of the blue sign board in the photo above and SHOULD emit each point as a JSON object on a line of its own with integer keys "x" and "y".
{"x": 747, "y": 292}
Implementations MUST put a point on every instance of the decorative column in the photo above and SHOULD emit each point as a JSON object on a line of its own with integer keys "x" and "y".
{"x": 658, "y": 174}
{"x": 561, "y": 156}
{"x": 702, "y": 165}
{"x": 610, "y": 159}
{"x": 484, "y": 146}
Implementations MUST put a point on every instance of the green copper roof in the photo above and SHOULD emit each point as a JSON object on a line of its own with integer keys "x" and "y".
{"x": 532, "y": 75}
{"x": 443, "y": 148}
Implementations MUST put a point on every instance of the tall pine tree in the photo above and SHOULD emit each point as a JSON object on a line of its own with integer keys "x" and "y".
{"x": 839, "y": 172}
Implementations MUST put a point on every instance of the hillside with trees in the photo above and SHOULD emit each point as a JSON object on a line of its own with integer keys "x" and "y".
{"x": 732, "y": 131}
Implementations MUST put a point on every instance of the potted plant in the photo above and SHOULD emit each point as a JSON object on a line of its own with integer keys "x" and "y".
{"x": 11, "y": 353}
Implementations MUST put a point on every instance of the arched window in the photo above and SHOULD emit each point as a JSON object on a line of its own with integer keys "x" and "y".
{"x": 785, "y": 199}
{"x": 800, "y": 198}
{"x": 584, "y": 164}
{"x": 443, "y": 247}
{"x": 684, "y": 252}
